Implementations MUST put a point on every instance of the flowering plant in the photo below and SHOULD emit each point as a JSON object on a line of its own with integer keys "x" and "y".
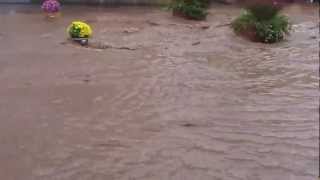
{"x": 50, "y": 6}
{"x": 79, "y": 29}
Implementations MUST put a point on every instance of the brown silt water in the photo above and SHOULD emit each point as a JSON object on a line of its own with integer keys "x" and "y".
{"x": 156, "y": 97}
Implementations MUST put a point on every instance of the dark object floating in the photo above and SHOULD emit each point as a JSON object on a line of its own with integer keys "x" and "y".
{"x": 188, "y": 125}
{"x": 81, "y": 41}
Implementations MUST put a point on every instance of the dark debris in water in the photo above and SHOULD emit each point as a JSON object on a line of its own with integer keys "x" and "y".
{"x": 189, "y": 125}
{"x": 313, "y": 37}
{"x": 98, "y": 45}
{"x": 152, "y": 23}
{"x": 196, "y": 43}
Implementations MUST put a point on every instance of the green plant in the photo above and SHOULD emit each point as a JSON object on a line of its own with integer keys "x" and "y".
{"x": 78, "y": 29}
{"x": 244, "y": 22}
{"x": 204, "y": 3}
{"x": 192, "y": 9}
{"x": 264, "y": 9}
{"x": 263, "y": 12}
{"x": 270, "y": 30}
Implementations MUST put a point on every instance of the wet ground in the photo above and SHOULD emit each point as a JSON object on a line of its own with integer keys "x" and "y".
{"x": 181, "y": 101}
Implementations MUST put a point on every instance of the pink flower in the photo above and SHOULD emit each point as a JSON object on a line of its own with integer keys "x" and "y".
{"x": 50, "y": 6}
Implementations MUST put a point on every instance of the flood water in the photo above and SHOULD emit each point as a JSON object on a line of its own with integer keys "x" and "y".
{"x": 185, "y": 103}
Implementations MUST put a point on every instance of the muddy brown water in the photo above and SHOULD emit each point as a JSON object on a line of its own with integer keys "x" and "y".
{"x": 188, "y": 103}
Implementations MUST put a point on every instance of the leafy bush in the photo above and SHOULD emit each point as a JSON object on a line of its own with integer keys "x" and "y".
{"x": 272, "y": 30}
{"x": 192, "y": 9}
{"x": 263, "y": 12}
{"x": 78, "y": 29}
{"x": 268, "y": 29}
{"x": 264, "y": 9}
{"x": 244, "y": 22}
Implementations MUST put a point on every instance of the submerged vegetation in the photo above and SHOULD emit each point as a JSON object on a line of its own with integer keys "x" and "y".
{"x": 79, "y": 29}
{"x": 191, "y": 9}
{"x": 262, "y": 22}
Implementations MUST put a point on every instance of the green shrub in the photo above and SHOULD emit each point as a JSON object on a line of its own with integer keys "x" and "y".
{"x": 268, "y": 30}
{"x": 273, "y": 30}
{"x": 263, "y": 12}
{"x": 205, "y": 3}
{"x": 244, "y": 22}
{"x": 192, "y": 9}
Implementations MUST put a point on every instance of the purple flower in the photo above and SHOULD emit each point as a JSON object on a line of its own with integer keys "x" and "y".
{"x": 50, "y": 6}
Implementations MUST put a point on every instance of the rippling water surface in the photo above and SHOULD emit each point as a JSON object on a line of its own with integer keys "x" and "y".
{"x": 186, "y": 103}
